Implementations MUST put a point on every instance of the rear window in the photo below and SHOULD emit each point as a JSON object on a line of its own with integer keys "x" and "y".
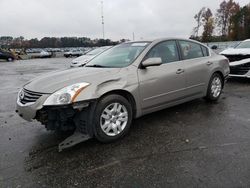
{"x": 190, "y": 50}
{"x": 205, "y": 51}
{"x": 167, "y": 51}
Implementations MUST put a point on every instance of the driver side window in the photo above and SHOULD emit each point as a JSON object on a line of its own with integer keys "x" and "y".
{"x": 167, "y": 51}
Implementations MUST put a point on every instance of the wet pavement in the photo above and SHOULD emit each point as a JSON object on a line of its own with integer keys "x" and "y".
{"x": 196, "y": 144}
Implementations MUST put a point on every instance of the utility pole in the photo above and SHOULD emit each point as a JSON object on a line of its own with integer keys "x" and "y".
{"x": 103, "y": 35}
{"x": 133, "y": 36}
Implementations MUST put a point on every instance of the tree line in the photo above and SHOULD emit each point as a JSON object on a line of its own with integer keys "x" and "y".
{"x": 231, "y": 22}
{"x": 53, "y": 42}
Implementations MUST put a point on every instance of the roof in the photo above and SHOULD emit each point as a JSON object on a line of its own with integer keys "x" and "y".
{"x": 163, "y": 39}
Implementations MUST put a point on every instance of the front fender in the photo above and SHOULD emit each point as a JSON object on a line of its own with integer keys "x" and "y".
{"x": 126, "y": 80}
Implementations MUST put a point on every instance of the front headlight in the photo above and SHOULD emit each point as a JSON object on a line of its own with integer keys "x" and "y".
{"x": 66, "y": 95}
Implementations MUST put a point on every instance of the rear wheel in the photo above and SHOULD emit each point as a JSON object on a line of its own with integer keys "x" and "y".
{"x": 113, "y": 117}
{"x": 215, "y": 87}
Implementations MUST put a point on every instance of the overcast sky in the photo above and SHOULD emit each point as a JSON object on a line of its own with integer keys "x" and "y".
{"x": 148, "y": 19}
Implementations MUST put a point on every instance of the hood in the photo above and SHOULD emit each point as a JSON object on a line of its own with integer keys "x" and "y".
{"x": 236, "y": 51}
{"x": 54, "y": 81}
{"x": 83, "y": 59}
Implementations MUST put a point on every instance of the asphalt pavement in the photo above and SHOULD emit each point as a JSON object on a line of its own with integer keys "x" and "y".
{"x": 196, "y": 144}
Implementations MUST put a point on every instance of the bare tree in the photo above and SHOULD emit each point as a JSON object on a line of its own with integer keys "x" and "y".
{"x": 224, "y": 16}
{"x": 198, "y": 18}
{"x": 208, "y": 24}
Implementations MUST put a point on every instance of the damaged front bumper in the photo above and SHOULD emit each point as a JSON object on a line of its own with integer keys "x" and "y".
{"x": 240, "y": 71}
{"x": 247, "y": 75}
{"x": 240, "y": 68}
{"x": 28, "y": 103}
{"x": 75, "y": 117}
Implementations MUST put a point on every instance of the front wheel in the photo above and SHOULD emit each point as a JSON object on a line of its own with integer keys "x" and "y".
{"x": 113, "y": 117}
{"x": 215, "y": 87}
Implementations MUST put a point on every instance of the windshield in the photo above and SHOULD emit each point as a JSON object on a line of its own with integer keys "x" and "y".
{"x": 95, "y": 51}
{"x": 119, "y": 56}
{"x": 245, "y": 44}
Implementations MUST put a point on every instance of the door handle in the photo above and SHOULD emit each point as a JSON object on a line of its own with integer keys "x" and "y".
{"x": 209, "y": 63}
{"x": 180, "y": 71}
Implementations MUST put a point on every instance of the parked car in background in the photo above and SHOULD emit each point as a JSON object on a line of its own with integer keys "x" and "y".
{"x": 45, "y": 54}
{"x": 42, "y": 54}
{"x": 239, "y": 58}
{"x": 8, "y": 56}
{"x": 125, "y": 82}
{"x": 82, "y": 60}
{"x": 73, "y": 53}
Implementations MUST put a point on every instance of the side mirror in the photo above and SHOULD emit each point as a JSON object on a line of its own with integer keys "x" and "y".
{"x": 154, "y": 61}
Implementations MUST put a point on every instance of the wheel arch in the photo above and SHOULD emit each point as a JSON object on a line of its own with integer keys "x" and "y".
{"x": 127, "y": 95}
{"x": 222, "y": 77}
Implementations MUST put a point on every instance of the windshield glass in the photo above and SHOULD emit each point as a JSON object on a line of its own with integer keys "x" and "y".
{"x": 245, "y": 44}
{"x": 119, "y": 56}
{"x": 95, "y": 51}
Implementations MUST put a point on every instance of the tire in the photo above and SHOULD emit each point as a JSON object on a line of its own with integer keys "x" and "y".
{"x": 111, "y": 124}
{"x": 214, "y": 88}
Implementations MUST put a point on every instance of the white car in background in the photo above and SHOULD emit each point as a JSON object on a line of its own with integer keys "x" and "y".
{"x": 82, "y": 60}
{"x": 42, "y": 54}
{"x": 45, "y": 54}
{"x": 73, "y": 53}
{"x": 239, "y": 58}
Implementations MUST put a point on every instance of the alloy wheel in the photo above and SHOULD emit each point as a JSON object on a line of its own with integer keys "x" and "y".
{"x": 216, "y": 87}
{"x": 114, "y": 119}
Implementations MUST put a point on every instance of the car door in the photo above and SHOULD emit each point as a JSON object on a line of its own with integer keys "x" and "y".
{"x": 164, "y": 84}
{"x": 196, "y": 64}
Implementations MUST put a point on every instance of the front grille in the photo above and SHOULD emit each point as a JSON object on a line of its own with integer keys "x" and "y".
{"x": 29, "y": 96}
{"x": 233, "y": 58}
{"x": 240, "y": 69}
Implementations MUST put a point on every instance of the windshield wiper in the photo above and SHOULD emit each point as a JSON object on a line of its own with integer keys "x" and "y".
{"x": 95, "y": 65}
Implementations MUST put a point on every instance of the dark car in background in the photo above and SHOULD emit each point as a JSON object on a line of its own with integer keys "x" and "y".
{"x": 8, "y": 56}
